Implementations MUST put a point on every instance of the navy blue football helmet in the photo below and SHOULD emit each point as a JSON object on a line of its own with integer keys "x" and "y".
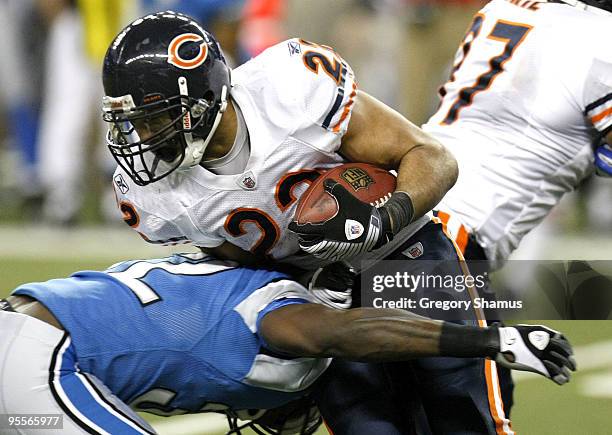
{"x": 166, "y": 83}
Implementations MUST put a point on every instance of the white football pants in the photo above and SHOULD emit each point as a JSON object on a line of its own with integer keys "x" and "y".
{"x": 39, "y": 374}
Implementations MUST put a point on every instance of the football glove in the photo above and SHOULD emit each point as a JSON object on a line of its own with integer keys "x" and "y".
{"x": 332, "y": 285}
{"x": 536, "y": 348}
{"x": 603, "y": 160}
{"x": 357, "y": 227}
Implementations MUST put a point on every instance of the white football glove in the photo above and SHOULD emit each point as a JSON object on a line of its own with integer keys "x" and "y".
{"x": 536, "y": 348}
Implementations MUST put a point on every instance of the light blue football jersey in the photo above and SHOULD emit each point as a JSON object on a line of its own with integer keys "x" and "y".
{"x": 180, "y": 334}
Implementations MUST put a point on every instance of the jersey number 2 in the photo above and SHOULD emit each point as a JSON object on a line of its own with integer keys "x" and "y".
{"x": 270, "y": 232}
{"x": 509, "y": 33}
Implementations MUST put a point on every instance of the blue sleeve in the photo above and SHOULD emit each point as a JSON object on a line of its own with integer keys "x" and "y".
{"x": 274, "y": 306}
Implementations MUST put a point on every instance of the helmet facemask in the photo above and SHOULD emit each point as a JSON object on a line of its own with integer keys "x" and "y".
{"x": 152, "y": 140}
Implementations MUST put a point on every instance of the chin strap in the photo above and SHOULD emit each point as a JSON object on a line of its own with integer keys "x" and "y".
{"x": 196, "y": 147}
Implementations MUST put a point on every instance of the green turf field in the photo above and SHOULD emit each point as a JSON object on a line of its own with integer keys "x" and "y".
{"x": 582, "y": 407}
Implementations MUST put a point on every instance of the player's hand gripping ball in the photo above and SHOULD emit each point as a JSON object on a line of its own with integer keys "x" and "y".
{"x": 340, "y": 214}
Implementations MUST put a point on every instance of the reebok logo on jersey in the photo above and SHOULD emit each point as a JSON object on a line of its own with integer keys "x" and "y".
{"x": 539, "y": 339}
{"x": 414, "y": 251}
{"x": 121, "y": 184}
{"x": 294, "y": 48}
{"x": 352, "y": 229}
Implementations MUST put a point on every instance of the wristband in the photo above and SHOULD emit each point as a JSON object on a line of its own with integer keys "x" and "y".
{"x": 400, "y": 211}
{"x": 464, "y": 341}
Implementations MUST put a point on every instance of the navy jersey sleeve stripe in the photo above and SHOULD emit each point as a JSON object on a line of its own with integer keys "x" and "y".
{"x": 339, "y": 98}
{"x": 598, "y": 102}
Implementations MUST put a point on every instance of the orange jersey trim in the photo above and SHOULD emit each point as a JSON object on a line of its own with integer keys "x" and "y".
{"x": 601, "y": 115}
{"x": 496, "y": 404}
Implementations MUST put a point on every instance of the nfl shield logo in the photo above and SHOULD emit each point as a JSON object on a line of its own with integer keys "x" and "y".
{"x": 357, "y": 178}
{"x": 353, "y": 229}
{"x": 414, "y": 251}
{"x": 247, "y": 181}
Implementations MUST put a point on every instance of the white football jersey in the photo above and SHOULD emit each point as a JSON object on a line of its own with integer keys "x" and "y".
{"x": 296, "y": 99}
{"x": 530, "y": 89}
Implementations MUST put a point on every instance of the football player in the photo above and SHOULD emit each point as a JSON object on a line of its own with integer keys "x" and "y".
{"x": 527, "y": 112}
{"x": 186, "y": 136}
{"x": 219, "y": 158}
{"x": 189, "y": 334}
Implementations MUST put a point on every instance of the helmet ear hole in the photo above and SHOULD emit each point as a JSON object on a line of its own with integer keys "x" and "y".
{"x": 209, "y": 115}
{"x": 209, "y": 96}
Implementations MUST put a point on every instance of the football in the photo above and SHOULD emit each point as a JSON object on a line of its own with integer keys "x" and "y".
{"x": 367, "y": 182}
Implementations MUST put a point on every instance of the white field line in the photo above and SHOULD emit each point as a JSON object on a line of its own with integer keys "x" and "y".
{"x": 597, "y": 385}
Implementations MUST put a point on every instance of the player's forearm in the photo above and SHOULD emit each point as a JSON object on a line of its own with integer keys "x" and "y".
{"x": 426, "y": 173}
{"x": 378, "y": 335}
{"x": 386, "y": 335}
{"x": 383, "y": 137}
{"x": 367, "y": 334}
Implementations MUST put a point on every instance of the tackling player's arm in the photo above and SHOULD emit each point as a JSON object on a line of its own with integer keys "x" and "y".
{"x": 379, "y": 135}
{"x": 368, "y": 334}
{"x": 231, "y": 252}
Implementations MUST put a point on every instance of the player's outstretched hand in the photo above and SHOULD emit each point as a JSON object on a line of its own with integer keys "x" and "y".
{"x": 356, "y": 228}
{"x": 538, "y": 349}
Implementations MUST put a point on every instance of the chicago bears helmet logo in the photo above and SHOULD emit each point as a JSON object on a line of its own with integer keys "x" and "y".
{"x": 177, "y": 60}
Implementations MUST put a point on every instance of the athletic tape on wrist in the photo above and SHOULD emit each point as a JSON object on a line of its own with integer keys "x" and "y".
{"x": 400, "y": 210}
